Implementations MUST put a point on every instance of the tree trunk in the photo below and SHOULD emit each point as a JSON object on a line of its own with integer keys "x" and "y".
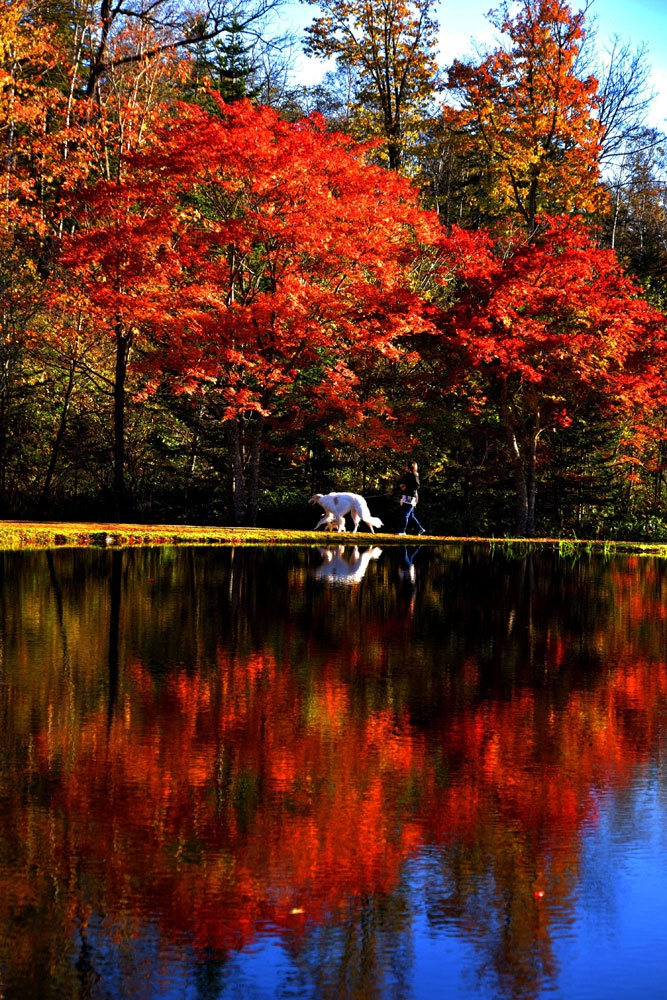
{"x": 518, "y": 465}
{"x": 4, "y": 434}
{"x": 55, "y": 448}
{"x": 238, "y": 478}
{"x": 98, "y": 56}
{"x": 7, "y": 360}
{"x": 192, "y": 459}
{"x": 394, "y": 153}
{"x": 523, "y": 453}
{"x": 123, "y": 344}
{"x": 256, "y": 447}
{"x": 532, "y": 478}
{"x": 520, "y": 485}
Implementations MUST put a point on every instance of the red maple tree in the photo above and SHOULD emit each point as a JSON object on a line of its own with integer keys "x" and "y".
{"x": 542, "y": 324}
{"x": 264, "y": 262}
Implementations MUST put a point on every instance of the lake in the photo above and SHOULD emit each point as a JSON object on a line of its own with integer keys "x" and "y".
{"x": 336, "y": 772}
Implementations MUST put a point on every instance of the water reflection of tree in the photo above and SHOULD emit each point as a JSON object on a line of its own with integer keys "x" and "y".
{"x": 367, "y": 954}
{"x": 278, "y": 750}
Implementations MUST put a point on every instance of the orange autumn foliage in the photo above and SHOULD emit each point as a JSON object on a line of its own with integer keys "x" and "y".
{"x": 530, "y": 114}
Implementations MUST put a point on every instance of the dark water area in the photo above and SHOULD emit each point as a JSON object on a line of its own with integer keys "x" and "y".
{"x": 332, "y": 773}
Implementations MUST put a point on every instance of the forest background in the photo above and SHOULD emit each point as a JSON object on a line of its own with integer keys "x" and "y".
{"x": 222, "y": 290}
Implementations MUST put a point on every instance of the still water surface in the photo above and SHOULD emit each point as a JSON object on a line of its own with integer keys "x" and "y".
{"x": 332, "y": 773}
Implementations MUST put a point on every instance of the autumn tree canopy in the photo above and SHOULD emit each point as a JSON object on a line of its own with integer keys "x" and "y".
{"x": 264, "y": 261}
{"x": 389, "y": 47}
{"x": 529, "y": 116}
{"x": 547, "y": 322}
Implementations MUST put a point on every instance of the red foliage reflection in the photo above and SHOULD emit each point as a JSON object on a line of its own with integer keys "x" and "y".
{"x": 282, "y": 783}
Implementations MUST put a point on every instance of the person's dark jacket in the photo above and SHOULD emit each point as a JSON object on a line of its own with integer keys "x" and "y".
{"x": 409, "y": 480}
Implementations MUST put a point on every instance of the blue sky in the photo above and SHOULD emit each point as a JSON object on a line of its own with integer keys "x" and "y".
{"x": 640, "y": 21}
{"x": 462, "y": 21}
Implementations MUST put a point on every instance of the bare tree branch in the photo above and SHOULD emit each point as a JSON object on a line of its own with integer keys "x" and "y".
{"x": 177, "y": 27}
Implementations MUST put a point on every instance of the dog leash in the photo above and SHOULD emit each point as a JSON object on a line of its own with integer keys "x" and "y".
{"x": 378, "y": 496}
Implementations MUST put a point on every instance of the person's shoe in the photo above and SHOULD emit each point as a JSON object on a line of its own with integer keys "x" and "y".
{"x": 400, "y": 532}
{"x": 422, "y": 531}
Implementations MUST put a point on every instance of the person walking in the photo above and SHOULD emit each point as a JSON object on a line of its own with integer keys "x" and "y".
{"x": 409, "y": 497}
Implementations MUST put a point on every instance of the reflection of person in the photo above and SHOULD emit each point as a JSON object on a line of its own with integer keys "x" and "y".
{"x": 406, "y": 573}
{"x": 409, "y": 497}
{"x": 407, "y": 581}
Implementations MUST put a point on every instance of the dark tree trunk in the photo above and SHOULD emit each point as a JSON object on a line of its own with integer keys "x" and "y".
{"x": 238, "y": 477}
{"x": 518, "y": 467}
{"x": 523, "y": 454}
{"x": 245, "y": 474}
{"x": 55, "y": 448}
{"x": 394, "y": 153}
{"x": 192, "y": 459}
{"x": 255, "y": 453}
{"x": 5, "y": 409}
{"x": 532, "y": 479}
{"x": 520, "y": 487}
{"x": 96, "y": 68}
{"x": 123, "y": 344}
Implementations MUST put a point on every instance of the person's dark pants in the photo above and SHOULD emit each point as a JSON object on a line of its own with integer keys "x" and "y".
{"x": 409, "y": 514}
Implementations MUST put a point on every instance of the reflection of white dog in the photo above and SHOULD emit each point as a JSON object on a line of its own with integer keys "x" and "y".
{"x": 337, "y": 569}
{"x": 337, "y": 505}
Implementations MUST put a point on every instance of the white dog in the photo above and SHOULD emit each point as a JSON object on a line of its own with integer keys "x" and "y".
{"x": 337, "y": 505}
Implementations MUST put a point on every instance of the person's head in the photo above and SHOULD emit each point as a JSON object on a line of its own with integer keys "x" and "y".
{"x": 413, "y": 466}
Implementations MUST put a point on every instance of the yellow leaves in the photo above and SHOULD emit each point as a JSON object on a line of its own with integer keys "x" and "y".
{"x": 26, "y": 49}
{"x": 531, "y": 117}
{"x": 389, "y": 53}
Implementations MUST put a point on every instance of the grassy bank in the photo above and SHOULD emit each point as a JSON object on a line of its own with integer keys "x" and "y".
{"x": 55, "y": 534}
